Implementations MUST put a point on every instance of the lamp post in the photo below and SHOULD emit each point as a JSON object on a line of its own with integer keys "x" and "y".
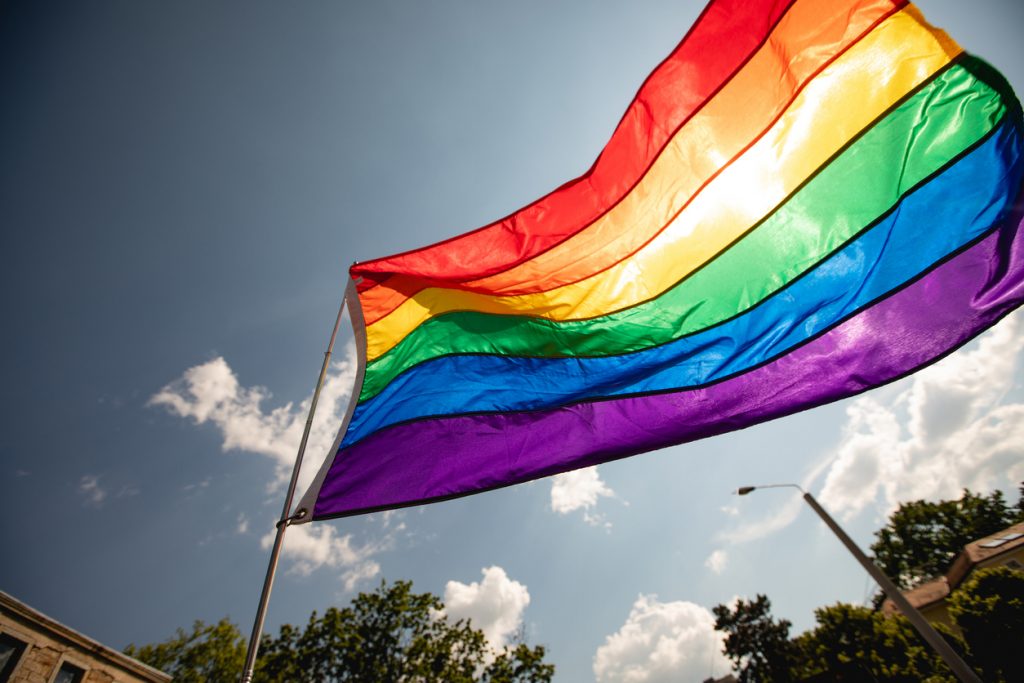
{"x": 931, "y": 636}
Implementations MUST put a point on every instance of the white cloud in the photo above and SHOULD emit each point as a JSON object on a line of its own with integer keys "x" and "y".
{"x": 747, "y": 531}
{"x": 579, "y": 490}
{"x": 311, "y": 547}
{"x": 89, "y": 487}
{"x": 927, "y": 436}
{"x": 661, "y": 642}
{"x": 127, "y": 491}
{"x": 211, "y": 392}
{"x": 495, "y": 605}
{"x": 943, "y": 429}
{"x": 717, "y": 561}
{"x": 197, "y": 486}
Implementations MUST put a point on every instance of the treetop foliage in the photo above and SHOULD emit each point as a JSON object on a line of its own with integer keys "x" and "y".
{"x": 758, "y": 645}
{"x": 854, "y": 643}
{"x": 922, "y": 538}
{"x": 989, "y": 609}
{"x": 392, "y": 635}
{"x": 210, "y": 652}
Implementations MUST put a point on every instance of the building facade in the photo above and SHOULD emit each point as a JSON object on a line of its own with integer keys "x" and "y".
{"x": 37, "y": 649}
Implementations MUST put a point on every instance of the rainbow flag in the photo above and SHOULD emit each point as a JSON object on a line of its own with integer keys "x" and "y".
{"x": 807, "y": 199}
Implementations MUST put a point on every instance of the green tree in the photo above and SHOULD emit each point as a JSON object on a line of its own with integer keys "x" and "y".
{"x": 922, "y": 538}
{"x": 392, "y": 635}
{"x": 989, "y": 610}
{"x": 758, "y": 645}
{"x": 849, "y": 643}
{"x": 853, "y": 643}
{"x": 519, "y": 664}
{"x": 211, "y": 652}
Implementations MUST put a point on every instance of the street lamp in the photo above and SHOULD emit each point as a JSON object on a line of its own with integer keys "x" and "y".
{"x": 931, "y": 636}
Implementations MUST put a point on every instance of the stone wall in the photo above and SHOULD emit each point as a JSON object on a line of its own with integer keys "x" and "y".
{"x": 50, "y": 645}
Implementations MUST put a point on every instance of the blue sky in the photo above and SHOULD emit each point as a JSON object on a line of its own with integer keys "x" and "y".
{"x": 182, "y": 187}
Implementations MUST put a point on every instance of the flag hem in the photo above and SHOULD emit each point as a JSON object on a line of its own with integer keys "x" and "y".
{"x": 355, "y": 314}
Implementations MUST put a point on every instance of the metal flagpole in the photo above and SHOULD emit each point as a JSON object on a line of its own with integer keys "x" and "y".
{"x": 954, "y": 661}
{"x": 286, "y": 520}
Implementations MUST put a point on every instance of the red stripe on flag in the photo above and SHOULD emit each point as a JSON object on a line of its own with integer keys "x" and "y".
{"x": 699, "y": 66}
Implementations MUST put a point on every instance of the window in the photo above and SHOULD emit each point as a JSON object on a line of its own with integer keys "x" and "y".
{"x": 999, "y": 540}
{"x": 69, "y": 673}
{"x": 11, "y": 650}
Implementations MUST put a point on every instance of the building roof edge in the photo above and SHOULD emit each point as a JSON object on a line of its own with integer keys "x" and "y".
{"x": 19, "y": 609}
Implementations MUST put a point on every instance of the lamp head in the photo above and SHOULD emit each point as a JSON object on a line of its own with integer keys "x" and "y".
{"x": 744, "y": 490}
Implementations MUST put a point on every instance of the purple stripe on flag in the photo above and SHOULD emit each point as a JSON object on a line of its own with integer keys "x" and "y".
{"x": 447, "y": 457}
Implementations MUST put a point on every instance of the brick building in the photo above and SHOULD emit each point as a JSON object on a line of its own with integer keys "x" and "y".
{"x": 37, "y": 649}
